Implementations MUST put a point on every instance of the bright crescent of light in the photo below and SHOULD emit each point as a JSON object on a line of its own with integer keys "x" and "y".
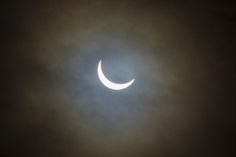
{"x": 108, "y": 83}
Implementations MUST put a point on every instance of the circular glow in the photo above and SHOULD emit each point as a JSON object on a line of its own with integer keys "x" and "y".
{"x": 108, "y": 83}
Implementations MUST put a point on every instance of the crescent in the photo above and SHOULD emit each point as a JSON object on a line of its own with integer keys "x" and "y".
{"x": 108, "y": 83}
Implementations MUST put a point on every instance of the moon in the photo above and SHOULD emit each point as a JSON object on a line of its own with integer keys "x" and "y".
{"x": 108, "y": 83}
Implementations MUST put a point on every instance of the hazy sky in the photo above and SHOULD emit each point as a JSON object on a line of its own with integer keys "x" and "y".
{"x": 181, "y": 55}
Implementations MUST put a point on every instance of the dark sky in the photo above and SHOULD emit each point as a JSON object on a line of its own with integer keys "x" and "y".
{"x": 181, "y": 54}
